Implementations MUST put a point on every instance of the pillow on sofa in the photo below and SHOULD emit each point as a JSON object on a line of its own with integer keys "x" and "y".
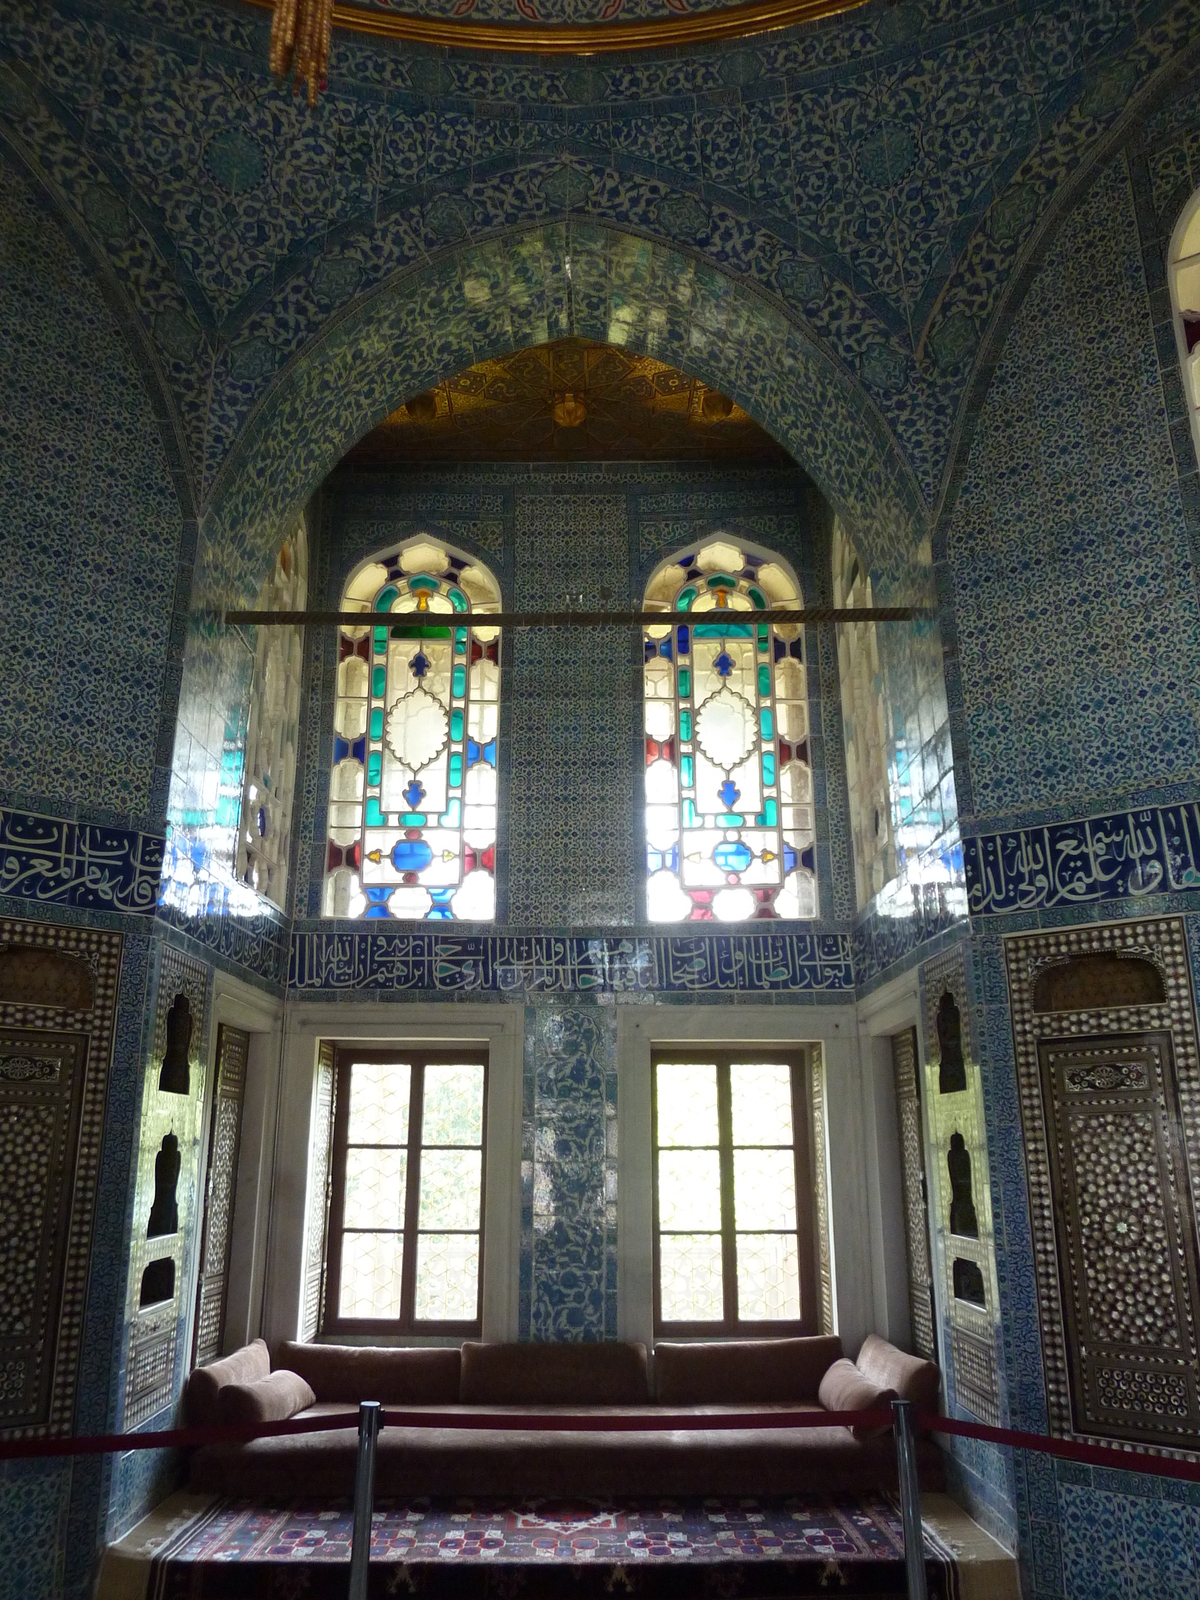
{"x": 912, "y": 1377}
{"x": 394, "y": 1377}
{"x": 743, "y": 1371}
{"x": 272, "y": 1399}
{"x": 247, "y": 1365}
{"x": 843, "y": 1388}
{"x": 569, "y": 1374}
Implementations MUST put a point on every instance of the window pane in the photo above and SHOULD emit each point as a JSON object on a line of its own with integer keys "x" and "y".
{"x": 447, "y": 1277}
{"x": 689, "y": 1189}
{"x": 450, "y": 1188}
{"x": 761, "y": 1097}
{"x": 687, "y": 1104}
{"x": 453, "y": 1105}
{"x": 371, "y": 1264}
{"x": 378, "y": 1103}
{"x": 764, "y": 1188}
{"x": 375, "y": 1188}
{"x": 768, "y": 1277}
{"x": 690, "y": 1277}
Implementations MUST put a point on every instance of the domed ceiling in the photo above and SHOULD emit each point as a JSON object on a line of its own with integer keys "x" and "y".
{"x": 570, "y": 400}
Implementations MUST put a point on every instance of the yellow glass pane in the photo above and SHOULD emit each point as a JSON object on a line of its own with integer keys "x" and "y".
{"x": 447, "y": 1277}
{"x": 687, "y": 1103}
{"x": 375, "y": 1188}
{"x": 689, "y": 1189}
{"x": 761, "y": 1101}
{"x": 764, "y": 1189}
{"x": 768, "y": 1277}
{"x": 450, "y": 1188}
{"x": 690, "y": 1277}
{"x": 371, "y": 1268}
{"x": 379, "y": 1102}
{"x": 453, "y": 1112}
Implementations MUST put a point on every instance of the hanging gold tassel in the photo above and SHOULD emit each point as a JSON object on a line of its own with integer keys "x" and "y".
{"x": 300, "y": 34}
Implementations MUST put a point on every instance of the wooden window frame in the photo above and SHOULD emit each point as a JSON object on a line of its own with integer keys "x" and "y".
{"x": 417, "y": 1058}
{"x": 731, "y": 1326}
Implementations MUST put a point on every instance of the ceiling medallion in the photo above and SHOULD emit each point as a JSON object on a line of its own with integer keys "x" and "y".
{"x": 300, "y": 35}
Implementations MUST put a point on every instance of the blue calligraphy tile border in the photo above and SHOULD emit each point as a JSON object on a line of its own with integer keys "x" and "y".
{"x": 89, "y": 866}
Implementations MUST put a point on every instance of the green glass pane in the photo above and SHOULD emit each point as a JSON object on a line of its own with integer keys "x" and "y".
{"x": 689, "y": 1280}
{"x": 458, "y": 600}
{"x": 685, "y": 682}
{"x": 687, "y": 772}
{"x": 768, "y": 1277}
{"x": 684, "y": 598}
{"x": 453, "y": 1104}
{"x": 685, "y": 726}
{"x": 374, "y": 766}
{"x": 723, "y": 630}
{"x": 764, "y": 637}
{"x": 690, "y": 819}
{"x": 419, "y": 630}
{"x": 731, "y": 819}
{"x": 689, "y": 1189}
{"x": 379, "y": 1102}
{"x": 447, "y": 1277}
{"x": 766, "y": 723}
{"x": 413, "y": 819}
{"x": 460, "y": 641}
{"x": 764, "y": 681}
{"x": 450, "y": 1188}
{"x": 456, "y": 769}
{"x": 383, "y": 600}
{"x": 759, "y": 599}
{"x": 768, "y": 816}
{"x": 452, "y": 816}
{"x": 456, "y": 724}
{"x": 381, "y": 639}
{"x": 761, "y": 1097}
{"x": 459, "y": 680}
{"x": 375, "y": 1188}
{"x": 764, "y": 1188}
{"x": 377, "y": 723}
{"x": 768, "y": 768}
{"x": 378, "y": 681}
{"x": 687, "y": 1103}
{"x": 424, "y": 585}
{"x": 721, "y": 580}
{"x": 376, "y": 817}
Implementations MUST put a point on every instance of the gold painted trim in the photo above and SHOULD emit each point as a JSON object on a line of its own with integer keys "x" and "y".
{"x": 732, "y": 22}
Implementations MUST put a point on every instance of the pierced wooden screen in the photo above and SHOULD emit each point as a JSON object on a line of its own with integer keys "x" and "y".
{"x": 916, "y": 1212}
{"x": 317, "y": 1218}
{"x": 224, "y": 1138}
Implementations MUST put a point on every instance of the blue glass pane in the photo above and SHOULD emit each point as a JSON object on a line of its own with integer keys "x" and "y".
{"x": 664, "y": 649}
{"x": 341, "y": 749}
{"x": 733, "y": 857}
{"x": 682, "y": 640}
{"x": 411, "y": 855}
{"x": 486, "y": 752}
{"x": 359, "y": 749}
{"x": 789, "y": 858}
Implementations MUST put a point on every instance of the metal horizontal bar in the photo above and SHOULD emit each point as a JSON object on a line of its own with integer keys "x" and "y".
{"x": 567, "y": 619}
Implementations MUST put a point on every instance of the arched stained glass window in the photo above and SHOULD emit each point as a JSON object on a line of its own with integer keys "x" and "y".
{"x": 265, "y": 834}
{"x": 412, "y": 793}
{"x": 1184, "y": 277}
{"x": 864, "y": 726}
{"x": 729, "y": 804}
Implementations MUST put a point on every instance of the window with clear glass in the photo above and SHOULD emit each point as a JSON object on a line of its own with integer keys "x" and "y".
{"x": 269, "y": 784}
{"x": 864, "y": 725}
{"x": 733, "y": 1224}
{"x": 406, "y": 1210}
{"x": 412, "y": 793}
{"x": 729, "y": 794}
{"x": 1183, "y": 274}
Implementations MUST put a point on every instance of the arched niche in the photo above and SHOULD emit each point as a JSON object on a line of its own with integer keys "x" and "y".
{"x": 1098, "y": 981}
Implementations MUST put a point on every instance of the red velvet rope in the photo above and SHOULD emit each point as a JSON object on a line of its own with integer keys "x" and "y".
{"x": 1130, "y": 1458}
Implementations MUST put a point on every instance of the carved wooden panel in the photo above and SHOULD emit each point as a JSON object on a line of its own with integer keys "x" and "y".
{"x": 1126, "y": 1235}
{"x": 225, "y": 1133}
{"x": 317, "y": 1221}
{"x": 58, "y": 992}
{"x": 975, "y": 1375}
{"x": 912, "y": 1171}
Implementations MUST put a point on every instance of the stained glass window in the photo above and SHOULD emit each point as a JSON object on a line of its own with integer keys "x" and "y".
{"x": 412, "y": 793}
{"x": 864, "y": 726}
{"x": 1184, "y": 278}
{"x": 264, "y": 836}
{"x": 729, "y": 798}
{"x": 406, "y": 1219}
{"x": 733, "y": 1229}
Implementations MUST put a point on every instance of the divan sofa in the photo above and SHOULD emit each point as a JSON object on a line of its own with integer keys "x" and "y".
{"x": 759, "y": 1376}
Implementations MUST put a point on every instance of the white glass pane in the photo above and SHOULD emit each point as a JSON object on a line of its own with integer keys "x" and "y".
{"x": 789, "y": 679}
{"x": 764, "y": 1189}
{"x": 379, "y": 1102}
{"x": 727, "y": 729}
{"x": 450, "y": 1188}
{"x": 690, "y": 1277}
{"x": 687, "y": 1103}
{"x": 447, "y": 1277}
{"x": 689, "y": 1189}
{"x": 768, "y": 1277}
{"x": 665, "y": 900}
{"x": 371, "y": 1267}
{"x": 761, "y": 1102}
{"x": 375, "y": 1188}
{"x": 791, "y": 717}
{"x": 734, "y": 905}
{"x": 660, "y": 718}
{"x": 662, "y": 783}
{"x": 453, "y": 1112}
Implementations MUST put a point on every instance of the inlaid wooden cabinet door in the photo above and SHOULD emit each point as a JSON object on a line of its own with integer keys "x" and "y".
{"x": 1125, "y": 1234}
{"x": 224, "y": 1138}
{"x": 906, "y": 1068}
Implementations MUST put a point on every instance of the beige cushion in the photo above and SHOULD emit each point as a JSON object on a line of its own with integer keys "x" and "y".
{"x": 247, "y": 1365}
{"x": 843, "y": 1388}
{"x": 743, "y": 1370}
{"x": 574, "y": 1374}
{"x": 352, "y": 1373}
{"x": 272, "y": 1399}
{"x": 912, "y": 1377}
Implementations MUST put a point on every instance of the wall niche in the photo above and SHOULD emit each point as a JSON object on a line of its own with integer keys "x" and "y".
{"x": 1098, "y": 981}
{"x": 158, "y": 1283}
{"x": 164, "y": 1210}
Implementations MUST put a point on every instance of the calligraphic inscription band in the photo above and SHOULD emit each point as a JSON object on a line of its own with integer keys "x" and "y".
{"x": 56, "y": 862}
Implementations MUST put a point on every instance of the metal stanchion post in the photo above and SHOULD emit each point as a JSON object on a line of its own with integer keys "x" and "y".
{"x": 369, "y": 1413}
{"x": 910, "y": 1500}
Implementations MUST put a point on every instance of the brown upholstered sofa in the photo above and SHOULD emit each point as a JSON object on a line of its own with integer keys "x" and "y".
{"x": 758, "y": 1376}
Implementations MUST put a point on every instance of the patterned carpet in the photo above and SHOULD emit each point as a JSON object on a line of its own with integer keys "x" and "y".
{"x": 485, "y": 1550}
